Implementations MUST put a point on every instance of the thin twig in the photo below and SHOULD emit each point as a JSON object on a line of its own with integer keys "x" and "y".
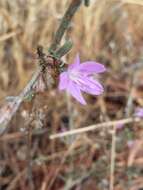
{"x": 133, "y": 84}
{"x": 93, "y": 127}
{"x": 13, "y": 183}
{"x": 29, "y": 156}
{"x": 9, "y": 35}
{"x": 137, "y": 2}
{"x": 18, "y": 135}
{"x": 113, "y": 156}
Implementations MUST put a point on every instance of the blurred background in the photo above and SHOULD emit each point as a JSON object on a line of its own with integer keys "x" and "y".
{"x": 108, "y": 31}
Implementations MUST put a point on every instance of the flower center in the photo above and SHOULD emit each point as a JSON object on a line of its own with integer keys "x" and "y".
{"x": 74, "y": 75}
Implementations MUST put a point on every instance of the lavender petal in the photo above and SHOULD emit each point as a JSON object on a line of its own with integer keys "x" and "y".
{"x": 64, "y": 80}
{"x": 90, "y": 67}
{"x": 74, "y": 90}
{"x": 75, "y": 64}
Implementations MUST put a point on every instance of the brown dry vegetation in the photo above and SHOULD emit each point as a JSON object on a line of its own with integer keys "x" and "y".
{"x": 108, "y": 31}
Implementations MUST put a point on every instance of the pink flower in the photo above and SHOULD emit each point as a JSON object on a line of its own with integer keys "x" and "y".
{"x": 131, "y": 143}
{"x": 139, "y": 112}
{"x": 120, "y": 126}
{"x": 79, "y": 77}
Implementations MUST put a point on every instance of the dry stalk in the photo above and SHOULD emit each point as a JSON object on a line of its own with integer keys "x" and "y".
{"x": 113, "y": 156}
{"x": 29, "y": 87}
{"x": 94, "y": 127}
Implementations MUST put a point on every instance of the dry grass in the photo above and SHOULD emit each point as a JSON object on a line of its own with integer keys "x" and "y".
{"x": 109, "y": 31}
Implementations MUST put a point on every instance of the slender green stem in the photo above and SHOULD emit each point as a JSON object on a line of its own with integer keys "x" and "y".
{"x": 65, "y": 23}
